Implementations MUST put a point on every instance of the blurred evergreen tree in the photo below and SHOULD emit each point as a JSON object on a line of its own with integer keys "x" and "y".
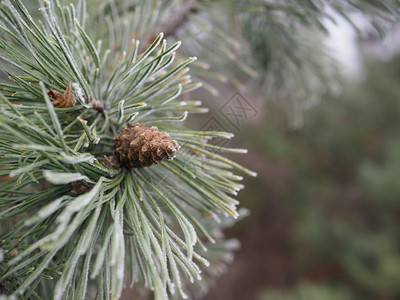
{"x": 344, "y": 198}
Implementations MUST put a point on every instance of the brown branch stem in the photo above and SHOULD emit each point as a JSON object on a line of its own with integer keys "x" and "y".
{"x": 177, "y": 20}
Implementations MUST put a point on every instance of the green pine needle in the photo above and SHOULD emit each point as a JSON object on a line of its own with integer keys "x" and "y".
{"x": 70, "y": 222}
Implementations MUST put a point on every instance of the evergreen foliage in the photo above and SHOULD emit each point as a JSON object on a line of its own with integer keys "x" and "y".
{"x": 140, "y": 224}
{"x": 72, "y": 224}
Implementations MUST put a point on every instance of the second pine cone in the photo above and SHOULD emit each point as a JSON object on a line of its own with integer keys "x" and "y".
{"x": 139, "y": 146}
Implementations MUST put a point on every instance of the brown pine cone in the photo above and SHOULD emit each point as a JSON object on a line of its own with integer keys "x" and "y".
{"x": 139, "y": 146}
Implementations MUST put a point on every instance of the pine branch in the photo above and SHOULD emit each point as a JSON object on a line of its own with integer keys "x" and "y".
{"x": 181, "y": 16}
{"x": 67, "y": 214}
{"x": 279, "y": 34}
{"x": 177, "y": 19}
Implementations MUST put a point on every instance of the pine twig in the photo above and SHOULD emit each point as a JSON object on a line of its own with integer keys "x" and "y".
{"x": 177, "y": 19}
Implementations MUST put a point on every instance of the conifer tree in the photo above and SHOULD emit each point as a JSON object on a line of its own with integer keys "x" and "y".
{"x": 102, "y": 186}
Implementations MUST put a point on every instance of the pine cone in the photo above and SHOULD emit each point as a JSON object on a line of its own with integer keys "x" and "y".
{"x": 139, "y": 146}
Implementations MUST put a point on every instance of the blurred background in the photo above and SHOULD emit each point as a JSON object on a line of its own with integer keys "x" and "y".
{"x": 324, "y": 209}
